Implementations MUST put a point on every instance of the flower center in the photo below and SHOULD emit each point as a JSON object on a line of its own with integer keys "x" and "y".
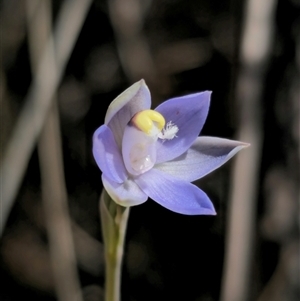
{"x": 140, "y": 137}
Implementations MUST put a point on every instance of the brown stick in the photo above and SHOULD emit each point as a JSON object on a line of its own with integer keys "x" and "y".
{"x": 256, "y": 43}
{"x": 38, "y": 101}
{"x": 54, "y": 191}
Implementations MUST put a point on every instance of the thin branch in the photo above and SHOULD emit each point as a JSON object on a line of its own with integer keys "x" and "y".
{"x": 38, "y": 101}
{"x": 127, "y": 20}
{"x": 54, "y": 191}
{"x": 255, "y": 50}
{"x": 56, "y": 212}
{"x": 127, "y": 17}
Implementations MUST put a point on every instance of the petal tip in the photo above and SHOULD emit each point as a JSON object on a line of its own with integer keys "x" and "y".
{"x": 242, "y": 145}
{"x": 142, "y": 82}
{"x": 139, "y": 84}
{"x": 122, "y": 99}
{"x": 245, "y": 144}
{"x": 209, "y": 210}
{"x": 212, "y": 212}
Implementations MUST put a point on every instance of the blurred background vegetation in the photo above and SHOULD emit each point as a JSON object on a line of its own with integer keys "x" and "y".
{"x": 246, "y": 52}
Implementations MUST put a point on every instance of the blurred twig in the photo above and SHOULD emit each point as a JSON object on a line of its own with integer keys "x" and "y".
{"x": 284, "y": 283}
{"x": 38, "y": 101}
{"x": 137, "y": 61}
{"x": 127, "y": 20}
{"x": 51, "y": 164}
{"x": 89, "y": 251}
{"x": 12, "y": 34}
{"x": 183, "y": 55}
{"x": 255, "y": 50}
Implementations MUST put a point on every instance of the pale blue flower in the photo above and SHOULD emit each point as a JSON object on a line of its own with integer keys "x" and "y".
{"x": 144, "y": 153}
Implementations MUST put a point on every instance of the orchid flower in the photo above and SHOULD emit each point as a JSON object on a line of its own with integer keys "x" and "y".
{"x": 156, "y": 154}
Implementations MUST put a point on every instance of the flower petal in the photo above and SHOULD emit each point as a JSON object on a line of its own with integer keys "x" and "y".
{"x": 205, "y": 155}
{"x": 135, "y": 99}
{"x": 125, "y": 194}
{"x": 174, "y": 194}
{"x": 107, "y": 154}
{"x": 188, "y": 113}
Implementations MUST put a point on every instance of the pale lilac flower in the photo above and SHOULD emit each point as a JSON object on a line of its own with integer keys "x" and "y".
{"x": 144, "y": 153}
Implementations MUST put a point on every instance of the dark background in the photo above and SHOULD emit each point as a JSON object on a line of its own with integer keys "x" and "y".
{"x": 195, "y": 46}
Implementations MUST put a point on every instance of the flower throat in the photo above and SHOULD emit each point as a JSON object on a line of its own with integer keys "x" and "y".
{"x": 140, "y": 137}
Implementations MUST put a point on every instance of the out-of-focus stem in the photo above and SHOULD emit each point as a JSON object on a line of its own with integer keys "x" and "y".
{"x": 57, "y": 216}
{"x": 256, "y": 42}
{"x": 54, "y": 191}
{"x": 127, "y": 17}
{"x": 38, "y": 101}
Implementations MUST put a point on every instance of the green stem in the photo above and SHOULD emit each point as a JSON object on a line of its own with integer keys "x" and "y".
{"x": 114, "y": 222}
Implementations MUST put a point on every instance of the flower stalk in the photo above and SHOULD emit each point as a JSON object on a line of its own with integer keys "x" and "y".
{"x": 114, "y": 223}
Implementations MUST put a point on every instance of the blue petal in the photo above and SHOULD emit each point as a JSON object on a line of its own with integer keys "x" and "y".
{"x": 107, "y": 154}
{"x": 125, "y": 194}
{"x": 174, "y": 194}
{"x": 205, "y": 155}
{"x": 188, "y": 113}
{"x": 135, "y": 99}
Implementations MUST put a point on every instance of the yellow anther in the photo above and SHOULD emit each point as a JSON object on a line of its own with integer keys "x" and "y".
{"x": 144, "y": 121}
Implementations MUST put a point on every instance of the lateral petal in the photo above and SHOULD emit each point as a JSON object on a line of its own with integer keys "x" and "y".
{"x": 107, "y": 154}
{"x": 174, "y": 194}
{"x": 188, "y": 113}
{"x": 205, "y": 155}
